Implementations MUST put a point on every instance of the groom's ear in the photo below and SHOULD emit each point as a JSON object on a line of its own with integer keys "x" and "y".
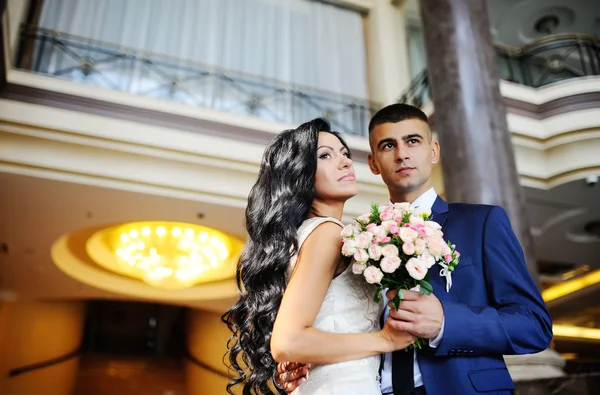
{"x": 372, "y": 165}
{"x": 435, "y": 152}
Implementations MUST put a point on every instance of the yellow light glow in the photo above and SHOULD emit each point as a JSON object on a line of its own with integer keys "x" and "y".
{"x": 568, "y": 287}
{"x": 167, "y": 255}
{"x": 577, "y": 332}
{"x": 569, "y": 355}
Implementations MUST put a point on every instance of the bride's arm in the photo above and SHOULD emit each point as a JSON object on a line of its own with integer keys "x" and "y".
{"x": 294, "y": 338}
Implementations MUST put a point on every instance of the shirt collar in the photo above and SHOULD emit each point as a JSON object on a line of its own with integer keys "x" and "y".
{"x": 426, "y": 200}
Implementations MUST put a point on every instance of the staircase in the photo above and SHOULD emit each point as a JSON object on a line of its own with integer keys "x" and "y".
{"x": 127, "y": 375}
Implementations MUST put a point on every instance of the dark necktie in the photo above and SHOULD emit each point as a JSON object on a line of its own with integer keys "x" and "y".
{"x": 403, "y": 369}
{"x": 403, "y": 380}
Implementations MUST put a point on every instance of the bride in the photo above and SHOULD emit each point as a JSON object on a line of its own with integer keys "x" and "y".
{"x": 299, "y": 300}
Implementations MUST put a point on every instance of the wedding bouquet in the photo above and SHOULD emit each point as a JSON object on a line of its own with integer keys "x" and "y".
{"x": 394, "y": 247}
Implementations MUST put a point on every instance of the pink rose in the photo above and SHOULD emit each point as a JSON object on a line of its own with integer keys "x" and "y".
{"x": 386, "y": 224}
{"x": 349, "y": 248}
{"x": 375, "y": 252}
{"x": 347, "y": 231}
{"x": 363, "y": 240}
{"x": 416, "y": 268}
{"x": 373, "y": 275}
{"x": 447, "y": 258}
{"x": 361, "y": 255}
{"x": 408, "y": 248}
{"x": 389, "y": 250}
{"x": 394, "y": 229}
{"x": 385, "y": 239}
{"x": 407, "y": 235}
{"x": 389, "y": 264}
{"x": 370, "y": 227}
{"x": 386, "y": 216}
{"x": 358, "y": 268}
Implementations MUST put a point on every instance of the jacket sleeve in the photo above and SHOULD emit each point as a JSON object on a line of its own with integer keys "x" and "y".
{"x": 516, "y": 320}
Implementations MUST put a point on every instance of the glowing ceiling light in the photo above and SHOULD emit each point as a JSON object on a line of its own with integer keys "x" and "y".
{"x": 166, "y": 254}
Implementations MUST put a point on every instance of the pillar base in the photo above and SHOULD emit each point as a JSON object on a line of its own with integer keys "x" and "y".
{"x": 543, "y": 365}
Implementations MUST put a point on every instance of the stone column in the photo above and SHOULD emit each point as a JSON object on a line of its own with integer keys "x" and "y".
{"x": 387, "y": 52}
{"x": 470, "y": 116}
{"x": 477, "y": 153}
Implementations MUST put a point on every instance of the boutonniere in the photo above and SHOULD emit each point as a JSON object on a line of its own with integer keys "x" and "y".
{"x": 448, "y": 263}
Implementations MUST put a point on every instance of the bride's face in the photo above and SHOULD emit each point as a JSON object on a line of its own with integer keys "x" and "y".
{"x": 335, "y": 175}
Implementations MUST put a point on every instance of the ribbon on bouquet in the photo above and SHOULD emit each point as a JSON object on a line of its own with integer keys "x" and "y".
{"x": 446, "y": 272}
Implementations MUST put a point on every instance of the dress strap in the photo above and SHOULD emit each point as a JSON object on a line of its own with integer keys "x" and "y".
{"x": 307, "y": 227}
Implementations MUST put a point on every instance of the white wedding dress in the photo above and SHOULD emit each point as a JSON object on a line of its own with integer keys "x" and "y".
{"x": 348, "y": 307}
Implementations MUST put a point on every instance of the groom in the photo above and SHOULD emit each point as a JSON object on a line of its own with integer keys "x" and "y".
{"x": 493, "y": 308}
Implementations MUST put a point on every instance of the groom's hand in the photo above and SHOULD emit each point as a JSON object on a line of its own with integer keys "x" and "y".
{"x": 421, "y": 315}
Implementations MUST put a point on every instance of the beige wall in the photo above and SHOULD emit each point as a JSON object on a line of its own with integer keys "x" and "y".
{"x": 17, "y": 13}
{"x": 207, "y": 342}
{"x": 36, "y": 332}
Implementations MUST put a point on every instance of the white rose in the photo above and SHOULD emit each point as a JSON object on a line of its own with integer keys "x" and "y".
{"x": 348, "y": 231}
{"x": 435, "y": 247}
{"x": 432, "y": 225}
{"x": 389, "y": 250}
{"x": 379, "y": 231}
{"x": 373, "y": 275}
{"x": 402, "y": 206}
{"x": 361, "y": 255}
{"x": 389, "y": 264}
{"x": 428, "y": 260}
{"x": 417, "y": 221}
{"x": 420, "y": 246}
{"x": 363, "y": 240}
{"x": 349, "y": 248}
{"x": 364, "y": 218}
{"x": 375, "y": 252}
{"x": 423, "y": 213}
{"x": 358, "y": 268}
{"x": 416, "y": 268}
{"x": 408, "y": 235}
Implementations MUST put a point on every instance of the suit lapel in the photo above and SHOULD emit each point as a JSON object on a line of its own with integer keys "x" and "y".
{"x": 439, "y": 211}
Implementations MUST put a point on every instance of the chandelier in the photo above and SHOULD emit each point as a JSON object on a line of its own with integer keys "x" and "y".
{"x": 171, "y": 255}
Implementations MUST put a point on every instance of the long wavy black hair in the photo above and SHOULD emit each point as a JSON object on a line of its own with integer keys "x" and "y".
{"x": 279, "y": 202}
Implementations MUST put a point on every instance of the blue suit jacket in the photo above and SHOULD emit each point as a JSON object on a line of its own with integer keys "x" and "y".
{"x": 493, "y": 308}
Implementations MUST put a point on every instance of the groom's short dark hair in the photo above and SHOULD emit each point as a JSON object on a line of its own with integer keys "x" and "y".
{"x": 397, "y": 112}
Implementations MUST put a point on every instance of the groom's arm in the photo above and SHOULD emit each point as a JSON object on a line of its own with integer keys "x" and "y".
{"x": 516, "y": 320}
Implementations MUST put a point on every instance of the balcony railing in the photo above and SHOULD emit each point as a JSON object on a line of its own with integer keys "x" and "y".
{"x": 153, "y": 75}
{"x": 551, "y": 59}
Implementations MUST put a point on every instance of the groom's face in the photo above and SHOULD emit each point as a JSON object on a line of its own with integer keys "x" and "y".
{"x": 403, "y": 153}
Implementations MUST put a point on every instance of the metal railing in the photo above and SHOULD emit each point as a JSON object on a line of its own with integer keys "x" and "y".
{"x": 154, "y": 75}
{"x": 43, "y": 364}
{"x": 551, "y": 59}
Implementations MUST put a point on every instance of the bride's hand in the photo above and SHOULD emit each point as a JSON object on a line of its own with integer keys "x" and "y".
{"x": 397, "y": 340}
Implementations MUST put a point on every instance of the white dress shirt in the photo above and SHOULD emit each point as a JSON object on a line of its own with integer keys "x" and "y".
{"x": 423, "y": 202}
